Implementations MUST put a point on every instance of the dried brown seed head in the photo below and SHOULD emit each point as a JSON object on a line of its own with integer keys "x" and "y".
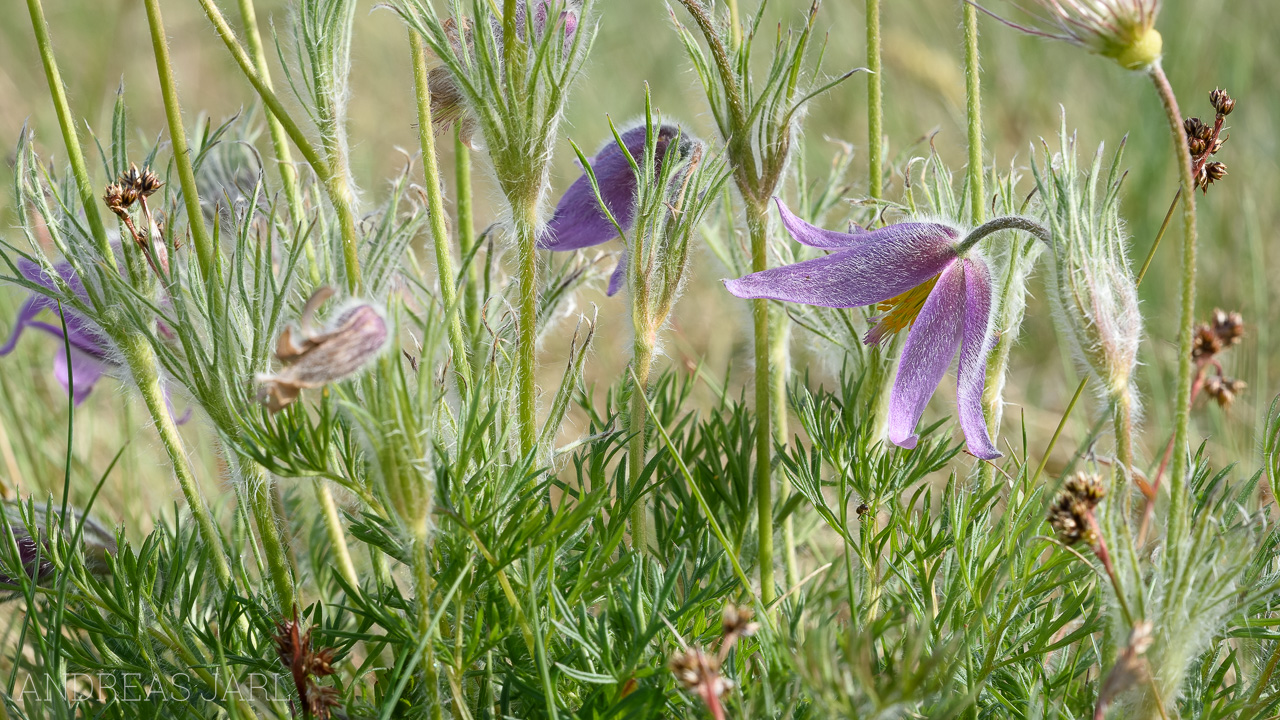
{"x": 737, "y": 621}
{"x": 1215, "y": 171}
{"x": 119, "y": 197}
{"x": 1197, "y": 129}
{"x": 1223, "y": 389}
{"x": 1071, "y": 514}
{"x": 294, "y": 648}
{"x": 1228, "y": 326}
{"x": 697, "y": 670}
{"x": 1222, "y": 102}
{"x": 1197, "y": 146}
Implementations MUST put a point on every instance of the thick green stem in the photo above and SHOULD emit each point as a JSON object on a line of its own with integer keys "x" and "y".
{"x": 205, "y": 251}
{"x": 435, "y": 210}
{"x": 780, "y": 362}
{"x": 1182, "y": 417}
{"x": 141, "y": 359}
{"x": 279, "y": 139}
{"x": 875, "y": 95}
{"x": 758, "y": 229}
{"x": 337, "y": 538}
{"x": 524, "y": 220}
{"x": 467, "y": 238}
{"x": 258, "y": 488}
{"x": 641, "y": 362}
{"x": 973, "y": 109}
{"x": 58, "y": 93}
{"x": 422, "y": 588}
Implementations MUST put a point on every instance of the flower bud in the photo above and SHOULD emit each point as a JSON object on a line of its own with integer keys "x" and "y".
{"x": 1123, "y": 30}
{"x": 34, "y": 554}
{"x": 314, "y": 358}
{"x": 1094, "y": 292}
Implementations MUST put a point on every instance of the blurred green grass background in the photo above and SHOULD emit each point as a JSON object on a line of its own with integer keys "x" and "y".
{"x": 1028, "y": 82}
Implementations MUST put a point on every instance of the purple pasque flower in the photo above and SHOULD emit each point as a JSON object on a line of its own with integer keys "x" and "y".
{"x": 919, "y": 276}
{"x": 580, "y": 222}
{"x": 90, "y": 355}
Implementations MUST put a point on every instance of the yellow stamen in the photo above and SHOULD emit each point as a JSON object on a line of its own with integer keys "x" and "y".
{"x": 898, "y": 313}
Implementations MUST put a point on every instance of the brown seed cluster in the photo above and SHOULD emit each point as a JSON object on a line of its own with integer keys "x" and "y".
{"x": 1223, "y": 331}
{"x": 306, "y": 665}
{"x": 132, "y": 184}
{"x": 698, "y": 671}
{"x": 1071, "y": 515}
{"x": 737, "y": 621}
{"x": 1204, "y": 140}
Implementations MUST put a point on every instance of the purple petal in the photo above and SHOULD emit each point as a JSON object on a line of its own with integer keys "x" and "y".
{"x": 814, "y": 236}
{"x": 619, "y": 277}
{"x": 926, "y": 356}
{"x": 974, "y": 347}
{"x": 885, "y": 263}
{"x": 85, "y": 370}
{"x": 31, "y": 307}
{"x": 578, "y": 221}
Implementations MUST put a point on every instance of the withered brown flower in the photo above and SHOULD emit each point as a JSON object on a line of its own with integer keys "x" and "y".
{"x": 315, "y": 358}
{"x": 305, "y": 665}
{"x": 1071, "y": 514}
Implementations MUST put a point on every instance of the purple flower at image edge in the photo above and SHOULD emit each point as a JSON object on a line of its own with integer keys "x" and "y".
{"x": 90, "y": 359}
{"x": 579, "y": 221}
{"x": 916, "y": 275}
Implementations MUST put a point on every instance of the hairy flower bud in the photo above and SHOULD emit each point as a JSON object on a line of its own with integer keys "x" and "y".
{"x": 33, "y": 558}
{"x": 1123, "y": 30}
{"x": 318, "y": 358}
{"x": 1095, "y": 295}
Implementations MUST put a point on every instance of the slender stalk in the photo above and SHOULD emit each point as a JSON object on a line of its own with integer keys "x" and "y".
{"x": 435, "y": 209}
{"x": 258, "y": 487}
{"x": 58, "y": 94}
{"x": 1044, "y": 459}
{"x": 205, "y": 252}
{"x": 337, "y": 538}
{"x": 641, "y": 363}
{"x": 525, "y": 225}
{"x": 467, "y": 237}
{"x": 141, "y": 359}
{"x": 973, "y": 109}
{"x": 335, "y": 184}
{"x": 279, "y": 141}
{"x": 735, "y": 24}
{"x": 875, "y": 95}
{"x": 757, "y": 228}
{"x": 1182, "y": 416}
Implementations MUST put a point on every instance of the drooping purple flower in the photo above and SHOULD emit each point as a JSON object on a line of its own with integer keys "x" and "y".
{"x": 580, "y": 222}
{"x": 90, "y": 357}
{"x": 917, "y": 274}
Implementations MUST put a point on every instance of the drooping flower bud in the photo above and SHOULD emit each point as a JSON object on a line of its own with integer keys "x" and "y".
{"x": 1123, "y": 30}
{"x": 1095, "y": 295}
{"x": 316, "y": 358}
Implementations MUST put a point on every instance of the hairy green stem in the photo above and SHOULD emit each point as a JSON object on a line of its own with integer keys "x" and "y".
{"x": 973, "y": 110}
{"x": 58, "y": 94}
{"x": 758, "y": 229}
{"x": 141, "y": 359}
{"x": 206, "y": 253}
{"x": 335, "y": 184}
{"x": 422, "y": 588}
{"x": 641, "y": 363}
{"x": 279, "y": 139}
{"x": 780, "y": 363}
{"x": 875, "y": 99}
{"x": 435, "y": 209}
{"x": 137, "y": 352}
{"x": 467, "y": 240}
{"x": 1182, "y": 416}
{"x": 524, "y": 220}
{"x": 258, "y": 487}
{"x": 337, "y": 538}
